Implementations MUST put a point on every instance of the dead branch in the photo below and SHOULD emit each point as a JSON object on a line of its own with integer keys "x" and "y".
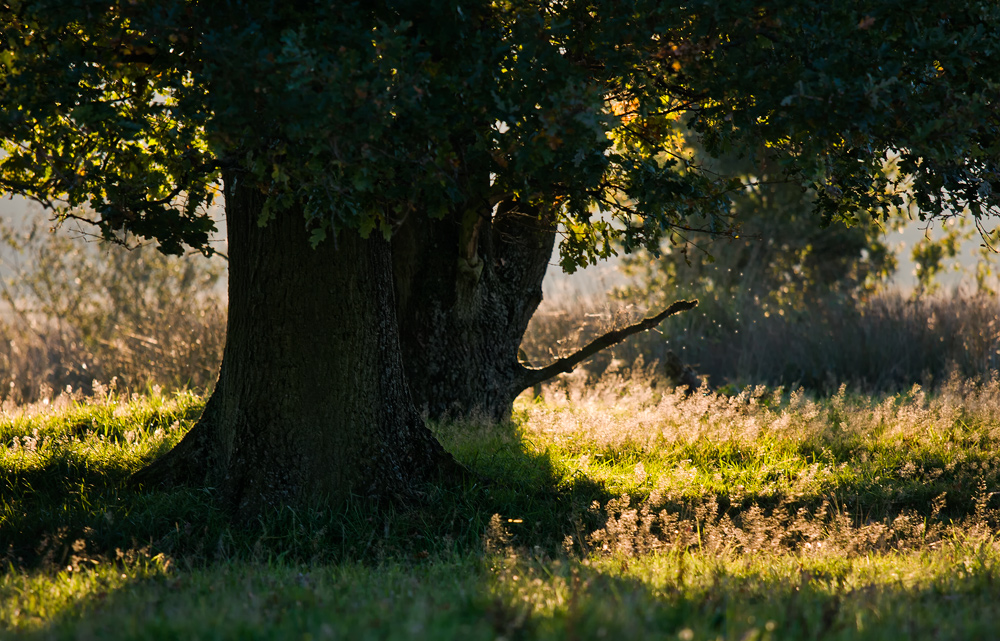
{"x": 529, "y": 377}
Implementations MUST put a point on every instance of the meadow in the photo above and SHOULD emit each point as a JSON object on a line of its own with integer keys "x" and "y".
{"x": 610, "y": 506}
{"x": 615, "y": 508}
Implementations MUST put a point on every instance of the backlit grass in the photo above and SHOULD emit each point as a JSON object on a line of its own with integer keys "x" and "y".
{"x": 615, "y": 511}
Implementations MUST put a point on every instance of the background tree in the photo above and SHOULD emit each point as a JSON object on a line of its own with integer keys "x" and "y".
{"x": 782, "y": 262}
{"x": 333, "y": 126}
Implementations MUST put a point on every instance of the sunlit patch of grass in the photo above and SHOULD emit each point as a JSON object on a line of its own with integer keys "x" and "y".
{"x": 616, "y": 510}
{"x": 251, "y": 601}
{"x": 709, "y": 595}
{"x": 64, "y": 468}
{"x": 768, "y": 446}
{"x": 101, "y": 431}
{"x": 32, "y": 601}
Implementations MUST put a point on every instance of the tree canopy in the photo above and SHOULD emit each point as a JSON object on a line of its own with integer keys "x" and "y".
{"x": 367, "y": 113}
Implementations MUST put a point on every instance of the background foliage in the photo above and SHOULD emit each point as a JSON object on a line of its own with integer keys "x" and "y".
{"x": 76, "y": 312}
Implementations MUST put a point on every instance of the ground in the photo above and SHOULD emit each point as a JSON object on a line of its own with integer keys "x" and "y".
{"x": 618, "y": 510}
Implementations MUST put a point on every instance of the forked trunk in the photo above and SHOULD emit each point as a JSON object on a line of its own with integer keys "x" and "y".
{"x": 312, "y": 401}
{"x": 467, "y": 286}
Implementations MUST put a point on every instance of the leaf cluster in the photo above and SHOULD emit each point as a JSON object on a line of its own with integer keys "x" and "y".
{"x": 358, "y": 115}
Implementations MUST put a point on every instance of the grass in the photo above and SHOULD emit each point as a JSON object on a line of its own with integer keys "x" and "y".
{"x": 617, "y": 511}
{"x": 72, "y": 312}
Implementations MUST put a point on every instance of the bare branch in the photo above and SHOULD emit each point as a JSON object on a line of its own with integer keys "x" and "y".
{"x": 530, "y": 377}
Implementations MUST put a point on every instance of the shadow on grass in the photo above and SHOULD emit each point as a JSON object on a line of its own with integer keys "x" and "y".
{"x": 72, "y": 510}
{"x": 487, "y": 598}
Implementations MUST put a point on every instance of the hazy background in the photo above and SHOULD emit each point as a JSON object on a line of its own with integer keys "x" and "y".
{"x": 598, "y": 279}
{"x": 86, "y": 315}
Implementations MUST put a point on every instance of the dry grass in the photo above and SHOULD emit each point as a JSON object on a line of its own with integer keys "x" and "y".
{"x": 765, "y": 471}
{"x": 73, "y": 312}
{"x": 886, "y": 343}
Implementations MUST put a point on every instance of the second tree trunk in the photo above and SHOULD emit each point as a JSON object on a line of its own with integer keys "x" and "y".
{"x": 467, "y": 286}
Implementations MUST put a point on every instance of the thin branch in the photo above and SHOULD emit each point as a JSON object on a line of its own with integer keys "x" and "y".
{"x": 530, "y": 377}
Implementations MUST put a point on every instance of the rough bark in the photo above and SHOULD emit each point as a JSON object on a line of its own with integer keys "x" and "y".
{"x": 312, "y": 402}
{"x": 467, "y": 285}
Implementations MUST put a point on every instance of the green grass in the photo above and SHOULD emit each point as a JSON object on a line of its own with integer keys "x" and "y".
{"x": 613, "y": 512}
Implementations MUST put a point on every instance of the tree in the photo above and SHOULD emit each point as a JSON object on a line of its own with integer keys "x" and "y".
{"x": 781, "y": 268}
{"x": 467, "y": 132}
{"x": 782, "y": 262}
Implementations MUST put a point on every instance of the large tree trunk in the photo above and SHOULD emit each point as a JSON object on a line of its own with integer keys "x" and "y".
{"x": 467, "y": 285}
{"x": 312, "y": 401}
